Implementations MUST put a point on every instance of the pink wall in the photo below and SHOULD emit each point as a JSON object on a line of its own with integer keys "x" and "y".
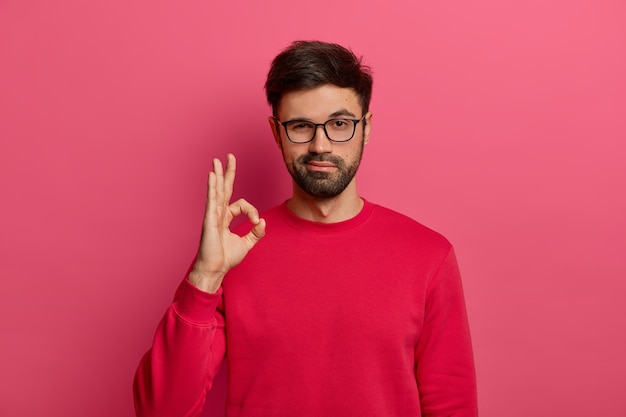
{"x": 501, "y": 124}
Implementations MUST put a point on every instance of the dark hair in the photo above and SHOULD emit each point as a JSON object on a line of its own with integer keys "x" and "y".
{"x": 309, "y": 64}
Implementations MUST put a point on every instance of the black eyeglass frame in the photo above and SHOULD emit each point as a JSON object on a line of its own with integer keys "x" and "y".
{"x": 315, "y": 125}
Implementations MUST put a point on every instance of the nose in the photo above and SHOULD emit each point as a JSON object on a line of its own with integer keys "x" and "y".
{"x": 320, "y": 142}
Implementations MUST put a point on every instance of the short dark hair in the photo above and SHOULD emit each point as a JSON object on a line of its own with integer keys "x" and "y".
{"x": 309, "y": 64}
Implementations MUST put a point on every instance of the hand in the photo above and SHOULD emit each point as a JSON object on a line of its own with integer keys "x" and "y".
{"x": 220, "y": 249}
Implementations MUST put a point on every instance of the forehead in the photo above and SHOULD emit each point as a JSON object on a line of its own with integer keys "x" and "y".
{"x": 319, "y": 103}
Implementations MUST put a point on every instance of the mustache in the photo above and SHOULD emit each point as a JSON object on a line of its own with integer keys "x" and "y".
{"x": 321, "y": 158}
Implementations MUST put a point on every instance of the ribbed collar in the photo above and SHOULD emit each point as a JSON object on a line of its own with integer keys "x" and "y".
{"x": 326, "y": 228}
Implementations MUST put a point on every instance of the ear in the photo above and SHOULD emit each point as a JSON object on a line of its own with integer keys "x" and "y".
{"x": 275, "y": 127}
{"x": 368, "y": 128}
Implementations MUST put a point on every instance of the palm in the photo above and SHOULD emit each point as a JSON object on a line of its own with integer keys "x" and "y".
{"x": 220, "y": 249}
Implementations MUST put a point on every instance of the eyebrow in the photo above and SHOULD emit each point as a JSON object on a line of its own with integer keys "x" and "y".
{"x": 342, "y": 112}
{"x": 338, "y": 113}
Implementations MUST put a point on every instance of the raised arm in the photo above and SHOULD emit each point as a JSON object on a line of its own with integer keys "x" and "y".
{"x": 189, "y": 344}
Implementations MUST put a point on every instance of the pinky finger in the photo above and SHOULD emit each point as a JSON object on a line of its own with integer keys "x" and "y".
{"x": 211, "y": 204}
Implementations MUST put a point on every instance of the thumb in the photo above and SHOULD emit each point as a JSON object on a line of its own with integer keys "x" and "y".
{"x": 257, "y": 232}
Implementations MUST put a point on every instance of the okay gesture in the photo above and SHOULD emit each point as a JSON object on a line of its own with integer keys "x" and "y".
{"x": 220, "y": 249}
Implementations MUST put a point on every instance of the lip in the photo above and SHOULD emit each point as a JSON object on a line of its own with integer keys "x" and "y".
{"x": 321, "y": 166}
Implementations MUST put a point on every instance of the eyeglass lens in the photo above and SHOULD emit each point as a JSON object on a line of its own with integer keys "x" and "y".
{"x": 338, "y": 130}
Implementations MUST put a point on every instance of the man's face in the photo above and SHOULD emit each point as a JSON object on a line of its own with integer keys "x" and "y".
{"x": 322, "y": 168}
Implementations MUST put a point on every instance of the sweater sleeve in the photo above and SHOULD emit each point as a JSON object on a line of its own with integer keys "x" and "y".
{"x": 445, "y": 366}
{"x": 188, "y": 348}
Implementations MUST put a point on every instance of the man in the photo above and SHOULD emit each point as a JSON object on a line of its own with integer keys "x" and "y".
{"x": 341, "y": 307}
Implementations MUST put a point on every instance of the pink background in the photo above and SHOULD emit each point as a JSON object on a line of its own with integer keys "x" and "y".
{"x": 501, "y": 124}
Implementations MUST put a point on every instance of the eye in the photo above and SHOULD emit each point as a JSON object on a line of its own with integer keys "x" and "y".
{"x": 299, "y": 126}
{"x": 340, "y": 124}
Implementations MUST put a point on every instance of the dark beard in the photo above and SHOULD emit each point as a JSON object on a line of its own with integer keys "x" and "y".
{"x": 324, "y": 185}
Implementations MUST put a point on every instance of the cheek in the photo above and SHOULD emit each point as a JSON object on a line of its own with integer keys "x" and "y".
{"x": 350, "y": 154}
{"x": 288, "y": 154}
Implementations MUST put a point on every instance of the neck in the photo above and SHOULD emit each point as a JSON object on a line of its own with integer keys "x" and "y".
{"x": 326, "y": 210}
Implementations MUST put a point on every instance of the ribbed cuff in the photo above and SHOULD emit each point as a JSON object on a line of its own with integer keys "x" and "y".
{"x": 197, "y": 306}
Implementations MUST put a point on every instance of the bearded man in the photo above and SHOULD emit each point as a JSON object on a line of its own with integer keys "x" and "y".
{"x": 342, "y": 308}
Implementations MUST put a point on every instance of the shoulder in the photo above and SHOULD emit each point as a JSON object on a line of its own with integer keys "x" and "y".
{"x": 398, "y": 226}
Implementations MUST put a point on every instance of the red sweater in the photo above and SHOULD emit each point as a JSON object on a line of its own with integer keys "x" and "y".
{"x": 364, "y": 317}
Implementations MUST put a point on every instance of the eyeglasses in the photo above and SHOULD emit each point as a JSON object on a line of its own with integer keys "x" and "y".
{"x": 336, "y": 130}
